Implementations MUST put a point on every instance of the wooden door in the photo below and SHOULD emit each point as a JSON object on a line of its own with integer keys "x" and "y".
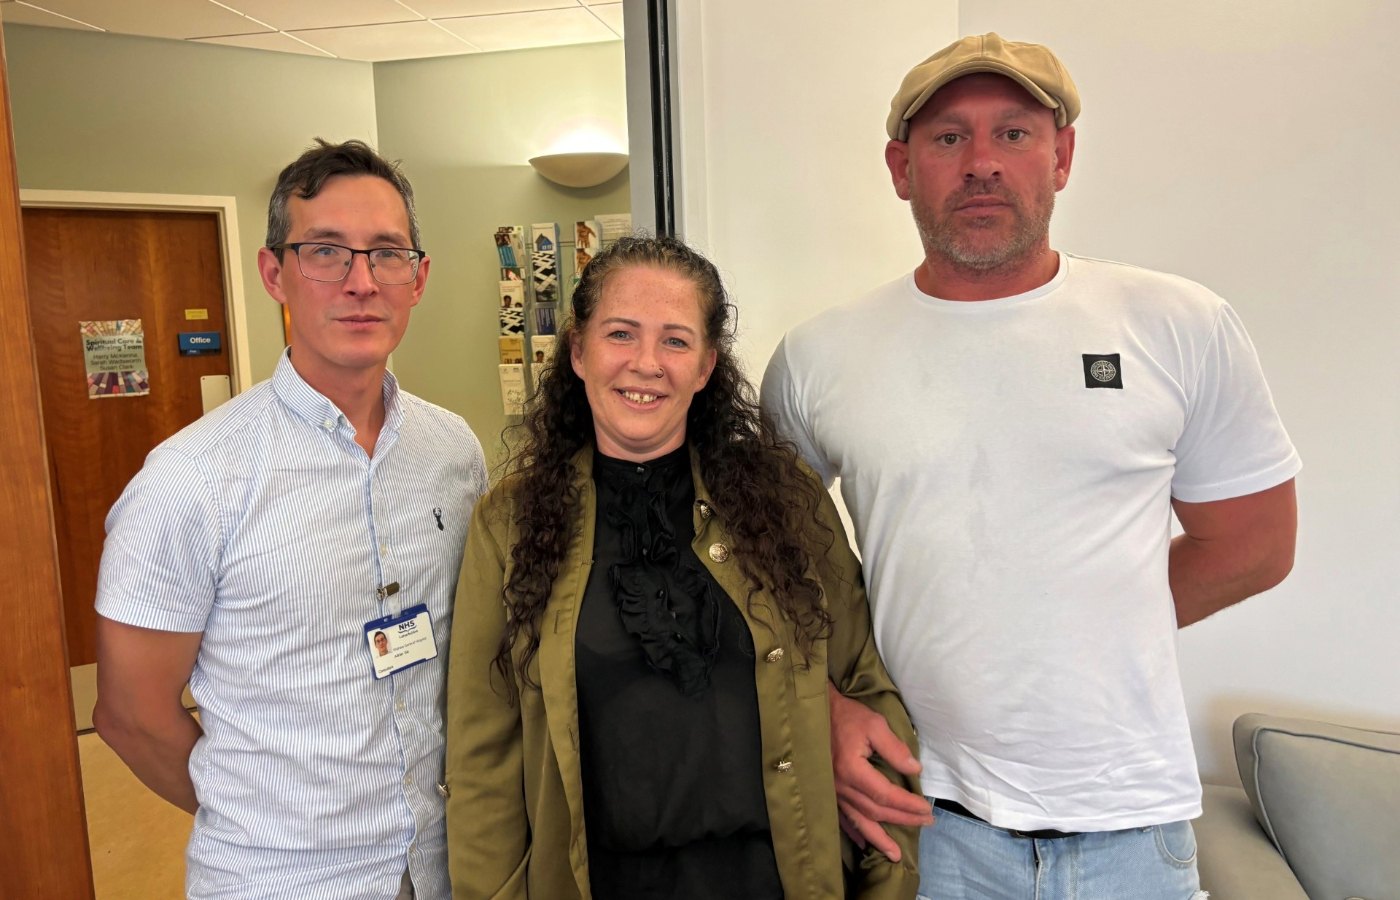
{"x": 162, "y": 268}
{"x": 43, "y": 840}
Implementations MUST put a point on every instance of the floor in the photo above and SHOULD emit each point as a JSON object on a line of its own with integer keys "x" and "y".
{"x": 137, "y": 839}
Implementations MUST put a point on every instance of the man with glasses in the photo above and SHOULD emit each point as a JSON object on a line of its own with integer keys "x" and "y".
{"x": 262, "y": 549}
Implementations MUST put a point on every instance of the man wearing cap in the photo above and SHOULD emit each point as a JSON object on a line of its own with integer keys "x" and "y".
{"x": 1053, "y": 411}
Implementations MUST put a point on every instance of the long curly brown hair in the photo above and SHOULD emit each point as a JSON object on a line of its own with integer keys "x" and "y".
{"x": 768, "y": 504}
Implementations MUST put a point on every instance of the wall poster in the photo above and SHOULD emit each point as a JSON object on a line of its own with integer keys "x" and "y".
{"x": 544, "y": 261}
{"x": 114, "y": 357}
{"x": 512, "y": 389}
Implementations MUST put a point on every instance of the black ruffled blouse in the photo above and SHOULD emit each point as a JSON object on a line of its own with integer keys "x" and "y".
{"x": 668, "y": 713}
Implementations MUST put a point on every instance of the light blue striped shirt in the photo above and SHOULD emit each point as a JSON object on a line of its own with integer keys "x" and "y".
{"x": 265, "y": 526}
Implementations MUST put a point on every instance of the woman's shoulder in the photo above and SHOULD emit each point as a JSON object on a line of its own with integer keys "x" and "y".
{"x": 494, "y": 506}
{"x": 785, "y": 457}
{"x": 770, "y": 449}
{"x": 516, "y": 486}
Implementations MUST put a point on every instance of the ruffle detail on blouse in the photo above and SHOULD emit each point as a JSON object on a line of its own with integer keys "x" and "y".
{"x": 663, "y": 596}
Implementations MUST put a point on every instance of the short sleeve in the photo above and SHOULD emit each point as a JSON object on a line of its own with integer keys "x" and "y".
{"x": 1233, "y": 442}
{"x": 160, "y": 560}
{"x": 782, "y": 404}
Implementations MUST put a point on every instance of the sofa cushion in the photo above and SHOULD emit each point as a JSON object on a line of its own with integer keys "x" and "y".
{"x": 1235, "y": 858}
{"x": 1327, "y": 795}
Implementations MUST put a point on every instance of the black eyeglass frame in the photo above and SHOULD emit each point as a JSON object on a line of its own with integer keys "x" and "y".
{"x": 296, "y": 251}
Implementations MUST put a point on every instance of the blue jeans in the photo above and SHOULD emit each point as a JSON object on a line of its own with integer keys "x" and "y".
{"x": 966, "y": 859}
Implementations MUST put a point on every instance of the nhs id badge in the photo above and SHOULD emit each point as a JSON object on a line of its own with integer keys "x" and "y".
{"x": 401, "y": 642}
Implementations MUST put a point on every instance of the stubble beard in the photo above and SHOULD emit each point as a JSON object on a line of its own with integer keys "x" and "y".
{"x": 968, "y": 242}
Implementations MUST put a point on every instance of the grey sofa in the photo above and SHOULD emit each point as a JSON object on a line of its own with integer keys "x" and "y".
{"x": 1318, "y": 817}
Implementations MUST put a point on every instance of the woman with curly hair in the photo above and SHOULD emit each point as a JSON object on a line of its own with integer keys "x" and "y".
{"x": 651, "y": 606}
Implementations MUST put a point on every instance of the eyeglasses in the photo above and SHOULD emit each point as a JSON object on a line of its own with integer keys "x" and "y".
{"x": 332, "y": 262}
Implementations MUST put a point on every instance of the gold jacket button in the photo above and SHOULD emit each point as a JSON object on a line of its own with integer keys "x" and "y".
{"x": 775, "y": 655}
{"x": 783, "y": 765}
{"x": 705, "y": 509}
{"x": 718, "y": 552}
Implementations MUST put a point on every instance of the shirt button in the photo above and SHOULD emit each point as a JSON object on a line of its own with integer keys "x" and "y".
{"x": 408, "y": 780}
{"x": 775, "y": 655}
{"x": 783, "y": 765}
{"x": 718, "y": 552}
{"x": 383, "y": 549}
{"x": 400, "y": 705}
{"x": 328, "y": 424}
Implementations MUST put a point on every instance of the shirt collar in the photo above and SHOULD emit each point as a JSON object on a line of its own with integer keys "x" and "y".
{"x": 317, "y": 410}
{"x": 582, "y": 462}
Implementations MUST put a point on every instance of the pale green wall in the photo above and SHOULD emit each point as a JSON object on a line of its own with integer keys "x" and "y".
{"x": 106, "y": 112}
{"x": 464, "y": 127}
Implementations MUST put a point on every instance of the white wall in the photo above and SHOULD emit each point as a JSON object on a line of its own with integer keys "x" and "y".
{"x": 1247, "y": 145}
{"x": 782, "y": 113}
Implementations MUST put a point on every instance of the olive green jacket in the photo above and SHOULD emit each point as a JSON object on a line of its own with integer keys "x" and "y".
{"x": 515, "y": 818}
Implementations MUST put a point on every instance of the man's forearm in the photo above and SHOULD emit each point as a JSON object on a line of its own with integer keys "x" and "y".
{"x": 1231, "y": 549}
{"x": 1207, "y": 578}
{"x": 156, "y": 751}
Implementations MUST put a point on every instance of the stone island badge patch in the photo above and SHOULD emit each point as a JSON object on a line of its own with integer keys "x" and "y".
{"x": 1103, "y": 370}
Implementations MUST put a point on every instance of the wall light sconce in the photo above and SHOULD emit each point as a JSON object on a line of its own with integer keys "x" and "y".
{"x": 579, "y": 170}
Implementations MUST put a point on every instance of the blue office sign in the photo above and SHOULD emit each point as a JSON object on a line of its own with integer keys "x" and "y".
{"x": 200, "y": 343}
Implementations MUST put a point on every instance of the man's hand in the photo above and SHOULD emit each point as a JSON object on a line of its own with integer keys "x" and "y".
{"x": 864, "y": 796}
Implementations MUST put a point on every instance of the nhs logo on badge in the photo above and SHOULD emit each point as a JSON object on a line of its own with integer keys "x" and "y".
{"x": 200, "y": 343}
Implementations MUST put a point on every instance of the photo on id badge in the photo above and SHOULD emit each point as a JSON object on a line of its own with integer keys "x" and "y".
{"x": 400, "y": 642}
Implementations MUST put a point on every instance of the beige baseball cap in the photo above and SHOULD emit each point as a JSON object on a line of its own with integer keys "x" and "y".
{"x": 1032, "y": 66}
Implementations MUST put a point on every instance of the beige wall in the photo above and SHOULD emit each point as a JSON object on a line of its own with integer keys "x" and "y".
{"x": 464, "y": 127}
{"x": 105, "y": 112}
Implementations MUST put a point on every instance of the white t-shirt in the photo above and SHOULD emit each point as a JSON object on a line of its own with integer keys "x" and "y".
{"x": 1009, "y": 466}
